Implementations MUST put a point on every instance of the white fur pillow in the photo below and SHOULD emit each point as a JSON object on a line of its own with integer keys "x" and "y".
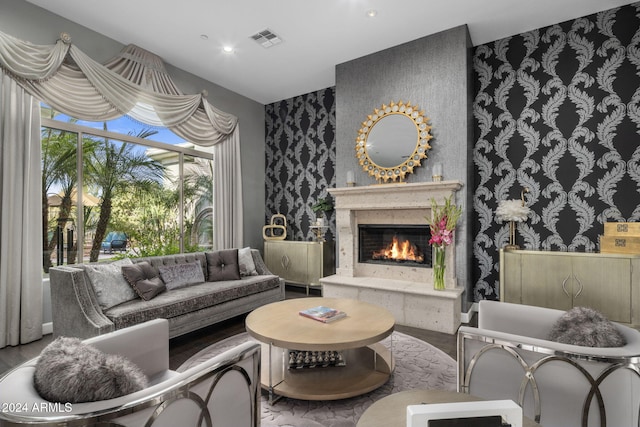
{"x": 69, "y": 371}
{"x": 586, "y": 327}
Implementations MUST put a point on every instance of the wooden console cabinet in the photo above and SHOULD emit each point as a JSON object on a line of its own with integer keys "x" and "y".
{"x": 303, "y": 263}
{"x": 609, "y": 283}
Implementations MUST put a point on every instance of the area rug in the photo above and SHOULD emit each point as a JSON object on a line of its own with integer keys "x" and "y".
{"x": 419, "y": 365}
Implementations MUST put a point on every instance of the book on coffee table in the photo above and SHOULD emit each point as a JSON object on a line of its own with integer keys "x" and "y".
{"x": 323, "y": 314}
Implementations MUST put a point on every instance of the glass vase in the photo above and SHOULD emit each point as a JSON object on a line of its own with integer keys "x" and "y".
{"x": 438, "y": 267}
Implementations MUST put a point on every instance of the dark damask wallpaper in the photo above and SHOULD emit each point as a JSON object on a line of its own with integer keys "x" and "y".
{"x": 557, "y": 110}
{"x": 300, "y": 159}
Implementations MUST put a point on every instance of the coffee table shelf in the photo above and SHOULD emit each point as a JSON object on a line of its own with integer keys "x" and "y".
{"x": 280, "y": 328}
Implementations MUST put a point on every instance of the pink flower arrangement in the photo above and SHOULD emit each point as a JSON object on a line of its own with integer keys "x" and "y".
{"x": 443, "y": 222}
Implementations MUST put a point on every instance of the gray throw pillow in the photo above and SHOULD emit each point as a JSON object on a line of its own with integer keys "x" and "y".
{"x": 109, "y": 284}
{"x": 143, "y": 279}
{"x": 245, "y": 261}
{"x": 586, "y": 327}
{"x": 180, "y": 275}
{"x": 223, "y": 265}
{"x": 69, "y": 371}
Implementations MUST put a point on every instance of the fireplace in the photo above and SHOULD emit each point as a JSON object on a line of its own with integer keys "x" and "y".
{"x": 401, "y": 245}
{"x": 403, "y": 287}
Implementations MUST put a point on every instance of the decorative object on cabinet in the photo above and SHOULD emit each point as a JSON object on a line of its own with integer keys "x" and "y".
{"x": 301, "y": 263}
{"x": 321, "y": 206}
{"x": 620, "y": 238}
{"x": 318, "y": 231}
{"x": 392, "y": 141}
{"x": 442, "y": 225}
{"x": 277, "y": 229}
{"x": 513, "y": 211}
{"x": 563, "y": 280}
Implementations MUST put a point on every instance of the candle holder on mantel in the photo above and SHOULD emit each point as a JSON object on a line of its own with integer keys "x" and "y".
{"x": 436, "y": 175}
{"x": 351, "y": 181}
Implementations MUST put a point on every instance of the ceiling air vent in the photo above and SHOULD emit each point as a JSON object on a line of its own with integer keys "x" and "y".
{"x": 266, "y": 38}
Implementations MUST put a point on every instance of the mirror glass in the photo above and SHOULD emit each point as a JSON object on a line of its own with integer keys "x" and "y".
{"x": 392, "y": 141}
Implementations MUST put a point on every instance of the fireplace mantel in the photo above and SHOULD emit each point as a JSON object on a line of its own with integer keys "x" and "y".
{"x": 405, "y": 291}
{"x": 393, "y": 196}
{"x": 388, "y": 204}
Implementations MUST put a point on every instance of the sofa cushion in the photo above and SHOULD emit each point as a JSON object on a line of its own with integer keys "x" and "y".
{"x": 180, "y": 275}
{"x": 69, "y": 371}
{"x": 245, "y": 261}
{"x": 189, "y": 299}
{"x": 223, "y": 265}
{"x": 586, "y": 327}
{"x": 143, "y": 279}
{"x": 109, "y": 284}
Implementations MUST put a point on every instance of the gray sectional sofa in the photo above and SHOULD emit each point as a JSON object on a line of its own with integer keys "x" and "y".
{"x": 91, "y": 299}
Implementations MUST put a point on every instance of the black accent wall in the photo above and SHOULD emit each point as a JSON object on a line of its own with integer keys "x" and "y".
{"x": 300, "y": 159}
{"x": 557, "y": 110}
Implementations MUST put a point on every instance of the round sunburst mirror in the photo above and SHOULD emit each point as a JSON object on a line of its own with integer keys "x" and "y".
{"x": 393, "y": 141}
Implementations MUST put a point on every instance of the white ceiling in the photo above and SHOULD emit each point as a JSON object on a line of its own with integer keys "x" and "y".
{"x": 317, "y": 34}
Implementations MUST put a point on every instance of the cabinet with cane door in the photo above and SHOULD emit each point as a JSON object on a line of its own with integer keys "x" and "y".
{"x": 609, "y": 283}
{"x": 301, "y": 263}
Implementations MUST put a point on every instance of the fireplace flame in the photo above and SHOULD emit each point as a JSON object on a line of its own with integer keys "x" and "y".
{"x": 399, "y": 251}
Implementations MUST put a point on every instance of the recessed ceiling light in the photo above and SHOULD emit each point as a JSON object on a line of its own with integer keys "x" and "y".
{"x": 204, "y": 37}
{"x": 372, "y": 13}
{"x": 227, "y": 49}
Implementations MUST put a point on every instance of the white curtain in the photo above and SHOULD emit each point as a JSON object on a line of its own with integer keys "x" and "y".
{"x": 228, "y": 222}
{"x": 20, "y": 216}
{"x": 134, "y": 83}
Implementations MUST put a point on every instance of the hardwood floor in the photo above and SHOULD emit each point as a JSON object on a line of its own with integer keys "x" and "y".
{"x": 183, "y": 347}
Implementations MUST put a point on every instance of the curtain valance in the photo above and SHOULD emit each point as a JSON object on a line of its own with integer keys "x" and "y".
{"x": 134, "y": 83}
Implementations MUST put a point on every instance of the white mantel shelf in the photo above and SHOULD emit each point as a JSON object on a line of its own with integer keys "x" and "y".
{"x": 392, "y": 196}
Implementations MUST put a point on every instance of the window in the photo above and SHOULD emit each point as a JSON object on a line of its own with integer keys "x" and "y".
{"x": 144, "y": 191}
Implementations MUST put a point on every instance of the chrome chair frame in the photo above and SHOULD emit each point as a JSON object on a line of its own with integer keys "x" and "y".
{"x": 162, "y": 400}
{"x": 529, "y": 370}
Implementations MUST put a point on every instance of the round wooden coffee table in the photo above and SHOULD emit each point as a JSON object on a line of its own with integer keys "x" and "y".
{"x": 391, "y": 411}
{"x": 282, "y": 330}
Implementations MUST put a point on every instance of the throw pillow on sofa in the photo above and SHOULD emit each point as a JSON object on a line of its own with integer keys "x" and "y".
{"x": 181, "y": 275}
{"x": 109, "y": 284}
{"x": 245, "y": 261}
{"x": 223, "y": 265}
{"x": 586, "y": 327}
{"x": 143, "y": 279}
{"x": 69, "y": 371}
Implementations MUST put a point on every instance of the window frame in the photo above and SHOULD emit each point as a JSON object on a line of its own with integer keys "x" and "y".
{"x": 82, "y": 130}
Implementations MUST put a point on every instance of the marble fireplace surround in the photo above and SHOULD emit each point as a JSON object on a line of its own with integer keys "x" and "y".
{"x": 407, "y": 291}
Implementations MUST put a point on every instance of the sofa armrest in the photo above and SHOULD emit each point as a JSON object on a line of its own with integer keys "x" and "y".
{"x": 74, "y": 306}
